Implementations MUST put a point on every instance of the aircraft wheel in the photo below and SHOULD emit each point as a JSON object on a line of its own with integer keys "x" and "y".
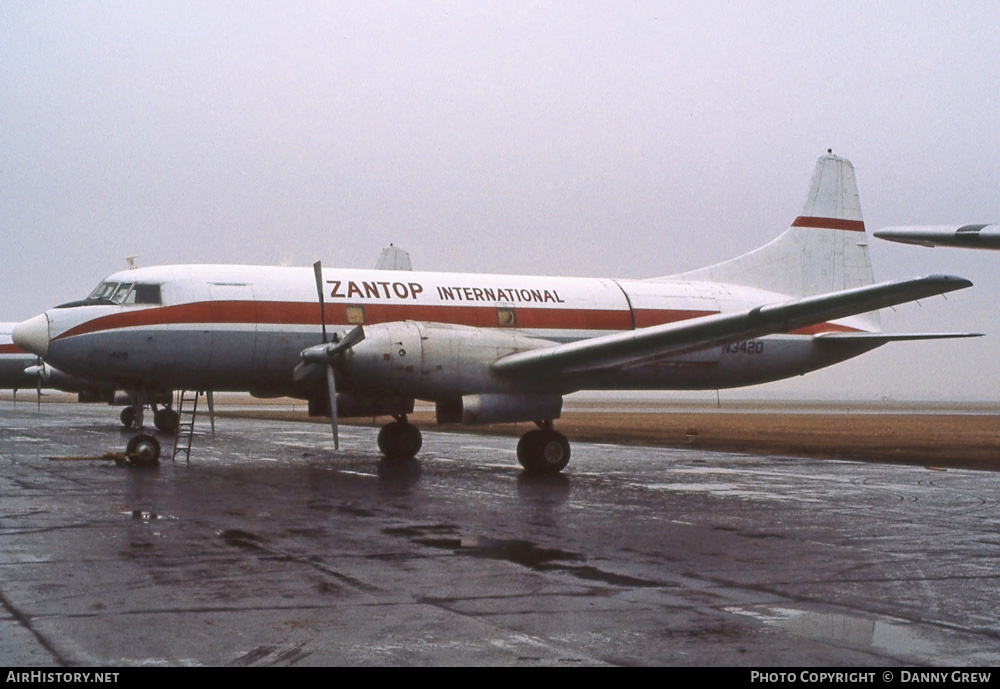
{"x": 127, "y": 417}
{"x": 386, "y": 437}
{"x": 399, "y": 440}
{"x": 166, "y": 420}
{"x": 543, "y": 452}
{"x": 527, "y": 449}
{"x": 143, "y": 451}
{"x": 554, "y": 452}
{"x": 410, "y": 441}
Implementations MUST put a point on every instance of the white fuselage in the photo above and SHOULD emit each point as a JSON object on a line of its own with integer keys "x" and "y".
{"x": 430, "y": 335}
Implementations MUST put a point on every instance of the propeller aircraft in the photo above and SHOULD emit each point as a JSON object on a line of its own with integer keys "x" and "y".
{"x": 488, "y": 348}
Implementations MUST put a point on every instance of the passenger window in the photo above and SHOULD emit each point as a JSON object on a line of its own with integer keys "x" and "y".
{"x": 505, "y": 318}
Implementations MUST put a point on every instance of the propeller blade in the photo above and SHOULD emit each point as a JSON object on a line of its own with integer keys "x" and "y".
{"x": 211, "y": 409}
{"x": 350, "y": 339}
{"x": 323, "y": 354}
{"x": 318, "y": 270}
{"x": 331, "y": 384}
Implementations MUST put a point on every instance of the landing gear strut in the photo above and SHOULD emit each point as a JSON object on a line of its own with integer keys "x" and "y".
{"x": 543, "y": 451}
{"x": 399, "y": 440}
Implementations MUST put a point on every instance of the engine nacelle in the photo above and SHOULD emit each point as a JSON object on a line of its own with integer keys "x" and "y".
{"x": 499, "y": 408}
{"x": 435, "y": 361}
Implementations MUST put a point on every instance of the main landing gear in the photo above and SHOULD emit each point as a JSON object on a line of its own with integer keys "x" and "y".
{"x": 165, "y": 419}
{"x": 399, "y": 440}
{"x": 543, "y": 451}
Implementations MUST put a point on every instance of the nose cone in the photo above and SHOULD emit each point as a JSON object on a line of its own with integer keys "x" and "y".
{"x": 33, "y": 335}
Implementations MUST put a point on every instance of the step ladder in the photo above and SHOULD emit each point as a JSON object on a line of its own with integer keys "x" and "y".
{"x": 187, "y": 412}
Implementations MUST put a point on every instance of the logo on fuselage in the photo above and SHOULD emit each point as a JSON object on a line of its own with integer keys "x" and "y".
{"x": 374, "y": 290}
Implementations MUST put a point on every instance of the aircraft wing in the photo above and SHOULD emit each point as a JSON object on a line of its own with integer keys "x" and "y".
{"x": 644, "y": 345}
{"x": 967, "y": 236}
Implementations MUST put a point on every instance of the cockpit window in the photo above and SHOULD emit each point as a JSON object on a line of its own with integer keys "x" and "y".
{"x": 103, "y": 291}
{"x": 123, "y": 290}
{"x": 122, "y": 293}
{"x": 146, "y": 294}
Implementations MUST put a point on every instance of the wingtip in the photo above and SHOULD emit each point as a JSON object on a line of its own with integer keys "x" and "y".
{"x": 903, "y": 235}
{"x": 952, "y": 281}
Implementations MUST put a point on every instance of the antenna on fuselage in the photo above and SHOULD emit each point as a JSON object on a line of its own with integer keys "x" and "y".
{"x": 130, "y": 260}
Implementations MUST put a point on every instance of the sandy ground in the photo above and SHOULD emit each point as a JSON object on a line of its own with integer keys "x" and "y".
{"x": 931, "y": 438}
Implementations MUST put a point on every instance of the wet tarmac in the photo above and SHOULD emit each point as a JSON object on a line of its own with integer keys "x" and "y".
{"x": 269, "y": 548}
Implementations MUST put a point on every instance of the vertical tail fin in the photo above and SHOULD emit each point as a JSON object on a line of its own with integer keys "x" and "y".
{"x": 825, "y": 248}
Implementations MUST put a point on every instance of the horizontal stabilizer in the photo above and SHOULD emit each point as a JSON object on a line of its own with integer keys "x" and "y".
{"x": 968, "y": 236}
{"x": 644, "y": 345}
{"x": 883, "y": 338}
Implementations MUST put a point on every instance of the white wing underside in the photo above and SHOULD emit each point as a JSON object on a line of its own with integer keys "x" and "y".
{"x": 646, "y": 345}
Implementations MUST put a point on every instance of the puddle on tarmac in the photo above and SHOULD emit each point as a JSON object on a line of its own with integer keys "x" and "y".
{"x": 901, "y": 639}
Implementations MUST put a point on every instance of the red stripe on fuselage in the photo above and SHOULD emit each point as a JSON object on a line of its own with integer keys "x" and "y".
{"x": 829, "y": 223}
{"x": 11, "y": 349}
{"x": 304, "y": 313}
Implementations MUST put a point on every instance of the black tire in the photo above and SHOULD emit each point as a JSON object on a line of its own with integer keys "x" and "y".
{"x": 409, "y": 442}
{"x": 166, "y": 420}
{"x": 399, "y": 441}
{"x": 127, "y": 417}
{"x": 527, "y": 450}
{"x": 143, "y": 450}
{"x": 387, "y": 438}
{"x": 543, "y": 452}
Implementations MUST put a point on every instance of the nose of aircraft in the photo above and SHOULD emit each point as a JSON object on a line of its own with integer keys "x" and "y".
{"x": 32, "y": 335}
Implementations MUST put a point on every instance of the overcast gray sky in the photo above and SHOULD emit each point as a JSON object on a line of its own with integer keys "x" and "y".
{"x": 580, "y": 138}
